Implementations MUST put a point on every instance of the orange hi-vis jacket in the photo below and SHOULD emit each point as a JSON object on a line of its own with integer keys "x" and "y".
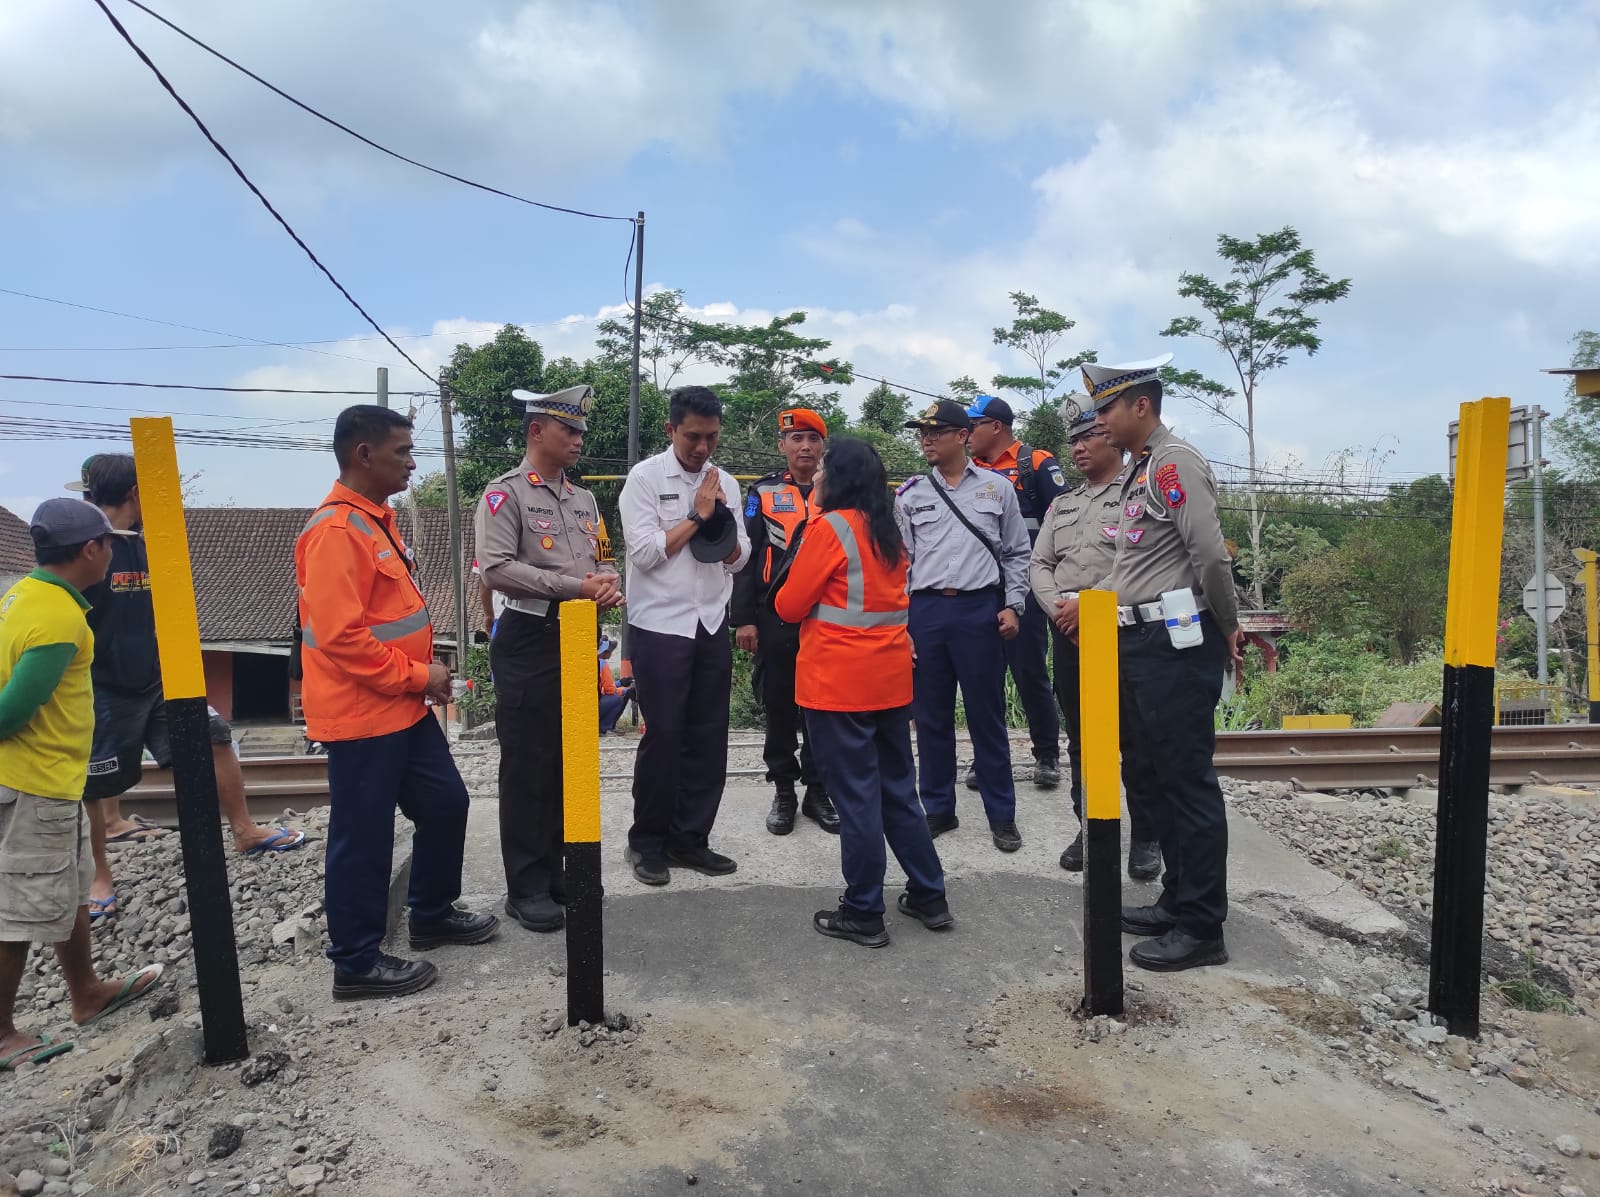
{"x": 367, "y": 640}
{"x": 855, "y": 651}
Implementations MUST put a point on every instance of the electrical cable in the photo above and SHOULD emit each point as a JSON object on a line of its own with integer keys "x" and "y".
{"x": 383, "y": 149}
{"x": 266, "y": 203}
{"x": 184, "y": 386}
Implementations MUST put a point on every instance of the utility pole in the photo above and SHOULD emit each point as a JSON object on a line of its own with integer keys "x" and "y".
{"x": 458, "y": 577}
{"x": 638, "y": 317}
{"x": 1542, "y": 618}
{"x": 383, "y": 386}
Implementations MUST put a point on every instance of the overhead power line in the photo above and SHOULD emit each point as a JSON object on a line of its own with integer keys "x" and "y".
{"x": 184, "y": 386}
{"x": 365, "y": 140}
{"x": 256, "y": 191}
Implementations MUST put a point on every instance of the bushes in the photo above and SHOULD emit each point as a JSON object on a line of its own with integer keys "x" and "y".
{"x": 1330, "y": 675}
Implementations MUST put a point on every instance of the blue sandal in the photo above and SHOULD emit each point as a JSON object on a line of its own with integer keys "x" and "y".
{"x": 281, "y": 840}
{"x": 102, "y": 908}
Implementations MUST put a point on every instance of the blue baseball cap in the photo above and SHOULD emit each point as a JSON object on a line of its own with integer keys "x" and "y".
{"x": 991, "y": 407}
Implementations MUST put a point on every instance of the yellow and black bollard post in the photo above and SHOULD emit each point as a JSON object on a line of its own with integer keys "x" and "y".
{"x": 1102, "y": 803}
{"x": 1455, "y": 959}
{"x": 205, "y": 867}
{"x": 1591, "y": 625}
{"x": 580, "y": 754}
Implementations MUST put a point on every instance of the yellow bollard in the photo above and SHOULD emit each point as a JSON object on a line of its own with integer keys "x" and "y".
{"x": 1591, "y": 625}
{"x": 183, "y": 682}
{"x": 580, "y": 756}
{"x": 1098, "y": 686}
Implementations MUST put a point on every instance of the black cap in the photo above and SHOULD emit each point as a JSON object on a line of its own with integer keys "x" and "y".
{"x": 714, "y": 539}
{"x": 946, "y": 413}
{"x": 62, "y": 523}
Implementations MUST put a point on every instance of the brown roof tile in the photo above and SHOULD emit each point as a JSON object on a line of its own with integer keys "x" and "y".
{"x": 16, "y": 546}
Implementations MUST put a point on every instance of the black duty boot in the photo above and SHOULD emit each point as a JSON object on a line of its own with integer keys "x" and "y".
{"x": 1072, "y": 855}
{"x": 1047, "y": 773}
{"x": 818, "y": 806}
{"x": 970, "y": 777}
{"x": 389, "y": 976}
{"x": 1178, "y": 950}
{"x": 1144, "y": 860}
{"x": 780, "y": 819}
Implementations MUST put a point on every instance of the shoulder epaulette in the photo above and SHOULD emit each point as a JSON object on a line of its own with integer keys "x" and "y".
{"x": 908, "y": 484}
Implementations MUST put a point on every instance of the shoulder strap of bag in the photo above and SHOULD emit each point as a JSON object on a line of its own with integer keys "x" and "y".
{"x": 1026, "y": 472}
{"x": 939, "y": 490}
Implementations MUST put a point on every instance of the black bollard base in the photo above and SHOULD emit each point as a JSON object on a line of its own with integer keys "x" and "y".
{"x": 586, "y": 999}
{"x": 1102, "y": 917}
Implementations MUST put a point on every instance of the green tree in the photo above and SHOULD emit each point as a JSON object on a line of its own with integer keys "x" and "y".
{"x": 964, "y": 389}
{"x": 1577, "y": 430}
{"x": 666, "y": 339}
{"x": 1035, "y": 332}
{"x": 1256, "y": 318}
{"x": 481, "y": 381}
{"x": 429, "y": 491}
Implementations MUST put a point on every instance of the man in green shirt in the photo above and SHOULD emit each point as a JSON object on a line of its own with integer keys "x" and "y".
{"x": 46, "y": 727}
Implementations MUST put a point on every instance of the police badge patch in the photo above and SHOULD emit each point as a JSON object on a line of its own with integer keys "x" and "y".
{"x": 495, "y": 499}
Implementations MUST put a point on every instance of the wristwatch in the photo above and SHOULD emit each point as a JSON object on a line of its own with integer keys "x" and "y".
{"x": 696, "y": 518}
{"x": 1015, "y": 609}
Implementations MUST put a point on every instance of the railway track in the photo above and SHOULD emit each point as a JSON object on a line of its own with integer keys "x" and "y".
{"x": 1364, "y": 758}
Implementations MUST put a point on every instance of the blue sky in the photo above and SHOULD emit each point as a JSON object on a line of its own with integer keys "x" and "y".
{"x": 895, "y": 168}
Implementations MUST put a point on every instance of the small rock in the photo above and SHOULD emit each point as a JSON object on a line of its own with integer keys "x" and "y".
{"x": 224, "y": 1142}
{"x": 197, "y": 1176}
{"x": 1569, "y": 1146}
{"x": 1570, "y": 1191}
{"x": 30, "y": 1183}
{"x": 165, "y": 1005}
{"x": 1521, "y": 1077}
{"x": 306, "y": 1176}
{"x": 263, "y": 1067}
{"x": 56, "y": 1167}
{"x": 284, "y": 1004}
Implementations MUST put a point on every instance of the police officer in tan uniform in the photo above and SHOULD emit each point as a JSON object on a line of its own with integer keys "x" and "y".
{"x": 1179, "y": 632}
{"x": 1074, "y": 552}
{"x": 540, "y": 540}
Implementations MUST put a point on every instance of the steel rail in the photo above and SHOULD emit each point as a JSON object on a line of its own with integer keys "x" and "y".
{"x": 1314, "y": 760}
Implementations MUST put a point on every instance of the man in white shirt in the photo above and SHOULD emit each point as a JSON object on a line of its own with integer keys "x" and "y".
{"x": 684, "y": 546}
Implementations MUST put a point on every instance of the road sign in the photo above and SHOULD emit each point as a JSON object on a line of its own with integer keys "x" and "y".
{"x": 1555, "y": 597}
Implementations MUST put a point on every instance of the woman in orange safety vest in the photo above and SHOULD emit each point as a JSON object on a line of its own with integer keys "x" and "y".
{"x": 846, "y": 587}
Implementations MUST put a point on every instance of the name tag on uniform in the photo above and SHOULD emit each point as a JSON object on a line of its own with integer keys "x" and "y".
{"x": 783, "y": 502}
{"x": 666, "y": 498}
{"x": 920, "y": 510}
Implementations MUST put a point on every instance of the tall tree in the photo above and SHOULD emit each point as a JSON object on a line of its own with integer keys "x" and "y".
{"x": 666, "y": 339}
{"x": 1035, "y": 332}
{"x": 481, "y": 380}
{"x": 1578, "y": 428}
{"x": 964, "y": 388}
{"x": 884, "y": 412}
{"x": 1257, "y": 318}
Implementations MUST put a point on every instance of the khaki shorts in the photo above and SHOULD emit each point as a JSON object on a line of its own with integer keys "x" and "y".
{"x": 45, "y": 867}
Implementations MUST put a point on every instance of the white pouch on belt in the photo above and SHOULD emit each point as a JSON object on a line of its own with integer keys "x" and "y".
{"x": 1178, "y": 608}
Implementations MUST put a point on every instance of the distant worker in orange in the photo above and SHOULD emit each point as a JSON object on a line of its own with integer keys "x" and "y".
{"x": 367, "y": 653}
{"x": 846, "y": 587}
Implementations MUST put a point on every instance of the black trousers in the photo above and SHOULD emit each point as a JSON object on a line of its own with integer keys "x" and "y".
{"x": 1174, "y": 695}
{"x": 1026, "y": 658}
{"x": 682, "y": 763}
{"x": 777, "y": 648}
{"x": 525, "y": 655}
{"x": 1138, "y": 781}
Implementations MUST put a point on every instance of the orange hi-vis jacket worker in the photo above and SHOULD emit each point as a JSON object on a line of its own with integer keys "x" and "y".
{"x": 855, "y": 651}
{"x": 367, "y": 639}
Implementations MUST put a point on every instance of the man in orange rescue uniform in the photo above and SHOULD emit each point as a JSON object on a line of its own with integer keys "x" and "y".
{"x": 367, "y": 653}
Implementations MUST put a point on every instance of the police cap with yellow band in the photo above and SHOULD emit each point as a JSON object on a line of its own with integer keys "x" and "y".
{"x": 570, "y": 405}
{"x": 1105, "y": 383}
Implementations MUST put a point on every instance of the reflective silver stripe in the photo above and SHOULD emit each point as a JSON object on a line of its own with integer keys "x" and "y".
{"x": 400, "y": 628}
{"x": 307, "y": 640}
{"x": 359, "y": 521}
{"x": 327, "y": 513}
{"x": 854, "y": 613}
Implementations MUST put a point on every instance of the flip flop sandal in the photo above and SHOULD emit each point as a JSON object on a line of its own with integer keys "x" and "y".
{"x": 102, "y": 908}
{"x": 46, "y": 1049}
{"x": 281, "y": 840}
{"x": 128, "y": 993}
{"x": 143, "y": 832}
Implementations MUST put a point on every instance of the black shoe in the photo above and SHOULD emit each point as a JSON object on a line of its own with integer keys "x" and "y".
{"x": 388, "y": 977}
{"x": 1178, "y": 950}
{"x": 704, "y": 860}
{"x": 780, "y": 819}
{"x": 540, "y": 913}
{"x": 1006, "y": 836}
{"x": 933, "y": 920}
{"x": 818, "y": 807}
{"x": 1072, "y": 855}
{"x": 651, "y": 870}
{"x": 1047, "y": 774}
{"x": 939, "y": 824}
{"x": 459, "y": 926}
{"x": 838, "y": 925}
{"x": 1146, "y": 920}
{"x": 1144, "y": 860}
{"x": 970, "y": 778}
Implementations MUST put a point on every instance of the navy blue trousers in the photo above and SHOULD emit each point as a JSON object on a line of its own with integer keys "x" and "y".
{"x": 611, "y": 708}
{"x": 367, "y": 780}
{"x": 1174, "y": 695}
{"x": 957, "y": 638}
{"x": 1026, "y": 657}
{"x": 1138, "y": 780}
{"x": 866, "y": 763}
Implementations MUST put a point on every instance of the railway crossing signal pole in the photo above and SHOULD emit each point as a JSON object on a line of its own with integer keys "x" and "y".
{"x": 580, "y": 763}
{"x": 1102, "y": 803}
{"x": 1455, "y": 961}
{"x": 1591, "y": 625}
{"x": 205, "y": 865}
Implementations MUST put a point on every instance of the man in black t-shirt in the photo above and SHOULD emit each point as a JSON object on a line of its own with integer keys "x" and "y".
{"x": 130, "y": 712}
